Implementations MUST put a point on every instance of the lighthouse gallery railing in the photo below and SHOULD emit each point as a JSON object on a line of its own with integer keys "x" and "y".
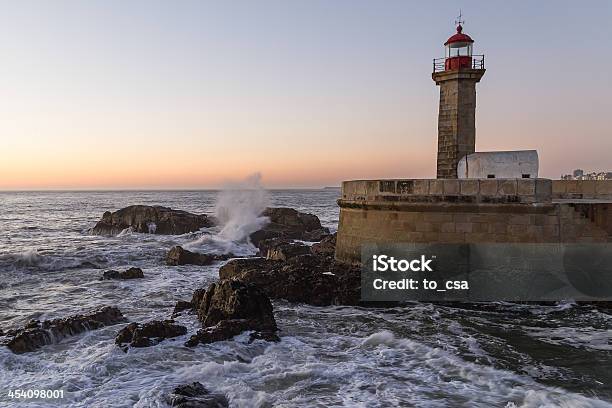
{"x": 478, "y": 62}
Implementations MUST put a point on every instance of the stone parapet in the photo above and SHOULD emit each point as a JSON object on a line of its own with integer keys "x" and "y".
{"x": 582, "y": 189}
{"x": 466, "y": 211}
{"x": 399, "y": 222}
{"x": 471, "y": 191}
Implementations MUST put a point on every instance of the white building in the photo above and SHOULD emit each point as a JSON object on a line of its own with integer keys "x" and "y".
{"x": 509, "y": 164}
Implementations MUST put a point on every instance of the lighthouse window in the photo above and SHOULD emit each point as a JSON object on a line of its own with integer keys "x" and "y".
{"x": 526, "y": 175}
{"x": 490, "y": 175}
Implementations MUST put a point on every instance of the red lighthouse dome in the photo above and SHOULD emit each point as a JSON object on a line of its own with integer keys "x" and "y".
{"x": 459, "y": 37}
{"x": 458, "y": 51}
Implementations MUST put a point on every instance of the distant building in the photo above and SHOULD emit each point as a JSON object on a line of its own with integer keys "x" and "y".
{"x": 579, "y": 174}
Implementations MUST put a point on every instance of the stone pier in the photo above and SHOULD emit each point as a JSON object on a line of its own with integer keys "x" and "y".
{"x": 471, "y": 211}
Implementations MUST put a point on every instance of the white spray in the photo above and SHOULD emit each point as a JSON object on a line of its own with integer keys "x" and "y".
{"x": 239, "y": 208}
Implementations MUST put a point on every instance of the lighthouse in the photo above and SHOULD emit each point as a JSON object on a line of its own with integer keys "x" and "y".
{"x": 457, "y": 75}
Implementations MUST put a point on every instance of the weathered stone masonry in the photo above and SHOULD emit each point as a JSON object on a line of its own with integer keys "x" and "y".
{"x": 456, "y": 117}
{"x": 464, "y": 211}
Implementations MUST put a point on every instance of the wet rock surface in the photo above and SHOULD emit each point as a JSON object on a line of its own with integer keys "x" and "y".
{"x": 132, "y": 273}
{"x": 314, "y": 278}
{"x": 150, "y": 219}
{"x": 289, "y": 223}
{"x": 182, "y": 306}
{"x": 326, "y": 247}
{"x": 196, "y": 395}
{"x": 37, "y": 334}
{"x": 180, "y": 256}
{"x": 228, "y": 308}
{"x": 281, "y": 250}
{"x": 148, "y": 334}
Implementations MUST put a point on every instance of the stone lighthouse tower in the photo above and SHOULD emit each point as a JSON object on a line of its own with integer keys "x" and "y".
{"x": 456, "y": 74}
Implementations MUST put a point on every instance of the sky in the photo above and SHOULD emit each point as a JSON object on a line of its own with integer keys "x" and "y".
{"x": 193, "y": 94}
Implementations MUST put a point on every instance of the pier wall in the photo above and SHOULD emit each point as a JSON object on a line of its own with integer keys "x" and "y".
{"x": 582, "y": 189}
{"x": 463, "y": 211}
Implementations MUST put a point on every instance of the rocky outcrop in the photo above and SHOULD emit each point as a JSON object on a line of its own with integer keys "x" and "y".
{"x": 282, "y": 250}
{"x": 189, "y": 306}
{"x": 195, "y": 395}
{"x": 150, "y": 219}
{"x": 227, "y": 308}
{"x": 37, "y": 334}
{"x": 288, "y": 223}
{"x": 180, "y": 256}
{"x": 182, "y": 306}
{"x": 311, "y": 279}
{"x": 132, "y": 273}
{"x": 148, "y": 334}
{"x": 326, "y": 247}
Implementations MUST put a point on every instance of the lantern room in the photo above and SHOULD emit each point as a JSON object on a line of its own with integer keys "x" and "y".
{"x": 458, "y": 51}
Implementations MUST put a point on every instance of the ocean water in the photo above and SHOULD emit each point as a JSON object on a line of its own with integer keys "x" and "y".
{"x": 423, "y": 354}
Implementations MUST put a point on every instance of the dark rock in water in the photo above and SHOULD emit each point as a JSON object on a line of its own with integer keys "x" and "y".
{"x": 195, "y": 395}
{"x": 227, "y": 308}
{"x": 197, "y": 297}
{"x": 227, "y": 300}
{"x": 226, "y": 330}
{"x": 311, "y": 279}
{"x": 314, "y": 278}
{"x": 32, "y": 324}
{"x": 235, "y": 267}
{"x": 265, "y": 245}
{"x": 180, "y": 256}
{"x": 327, "y": 246}
{"x": 288, "y": 223}
{"x": 182, "y": 306}
{"x": 37, "y": 334}
{"x": 316, "y": 235}
{"x": 282, "y": 250}
{"x": 148, "y": 334}
{"x": 132, "y": 273}
{"x": 291, "y": 218}
{"x": 150, "y": 219}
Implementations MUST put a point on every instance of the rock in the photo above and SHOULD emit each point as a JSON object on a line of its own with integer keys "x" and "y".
{"x": 327, "y": 246}
{"x": 132, "y": 273}
{"x": 283, "y": 251}
{"x": 235, "y": 267}
{"x": 310, "y": 279}
{"x": 195, "y": 395}
{"x": 148, "y": 334}
{"x": 37, "y": 334}
{"x": 316, "y": 235}
{"x": 227, "y": 308}
{"x": 197, "y": 297}
{"x": 190, "y": 306}
{"x": 288, "y": 223}
{"x": 226, "y": 300}
{"x": 182, "y": 306}
{"x": 150, "y": 219}
{"x": 314, "y": 278}
{"x": 291, "y": 218}
{"x": 226, "y": 330}
{"x": 180, "y": 256}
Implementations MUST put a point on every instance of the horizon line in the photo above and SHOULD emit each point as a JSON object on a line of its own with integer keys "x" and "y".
{"x": 102, "y": 190}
